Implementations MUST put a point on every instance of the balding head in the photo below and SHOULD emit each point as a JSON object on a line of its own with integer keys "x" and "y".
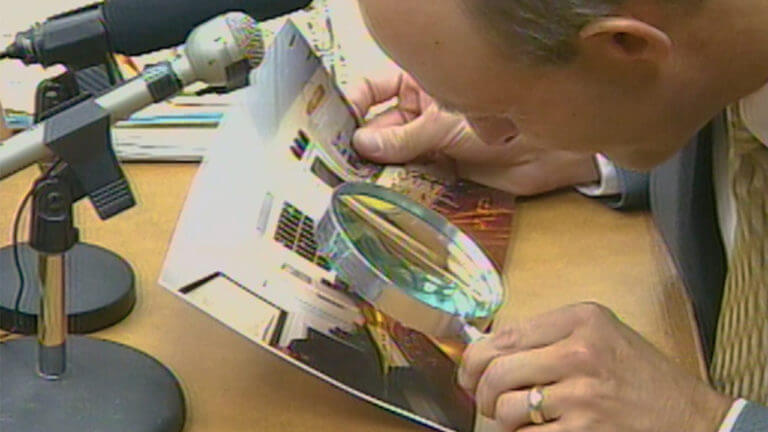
{"x": 538, "y": 30}
{"x": 633, "y": 79}
{"x": 546, "y": 30}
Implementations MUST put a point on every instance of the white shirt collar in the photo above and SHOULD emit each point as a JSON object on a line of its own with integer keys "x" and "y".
{"x": 754, "y": 112}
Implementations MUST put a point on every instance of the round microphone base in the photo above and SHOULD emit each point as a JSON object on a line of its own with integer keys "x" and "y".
{"x": 100, "y": 289}
{"x": 107, "y": 387}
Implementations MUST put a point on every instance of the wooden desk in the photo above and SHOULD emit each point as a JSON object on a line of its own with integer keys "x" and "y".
{"x": 567, "y": 249}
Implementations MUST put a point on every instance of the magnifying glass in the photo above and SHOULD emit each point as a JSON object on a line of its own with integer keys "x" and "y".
{"x": 409, "y": 262}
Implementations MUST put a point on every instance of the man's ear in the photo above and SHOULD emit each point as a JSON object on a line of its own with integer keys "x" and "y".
{"x": 625, "y": 38}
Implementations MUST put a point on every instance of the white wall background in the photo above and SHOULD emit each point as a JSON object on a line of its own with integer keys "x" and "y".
{"x": 17, "y": 83}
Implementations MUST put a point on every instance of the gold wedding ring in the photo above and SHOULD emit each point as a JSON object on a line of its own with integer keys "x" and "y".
{"x": 536, "y": 405}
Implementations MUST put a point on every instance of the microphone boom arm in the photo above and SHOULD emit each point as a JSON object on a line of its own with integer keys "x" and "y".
{"x": 220, "y": 52}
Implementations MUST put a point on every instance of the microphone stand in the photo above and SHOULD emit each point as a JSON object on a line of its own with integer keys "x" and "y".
{"x": 79, "y": 384}
{"x": 101, "y": 284}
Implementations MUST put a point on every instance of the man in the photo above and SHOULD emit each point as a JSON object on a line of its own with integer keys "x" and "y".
{"x": 544, "y": 84}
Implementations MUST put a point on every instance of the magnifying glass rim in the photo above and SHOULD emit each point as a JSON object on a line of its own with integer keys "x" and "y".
{"x": 434, "y": 219}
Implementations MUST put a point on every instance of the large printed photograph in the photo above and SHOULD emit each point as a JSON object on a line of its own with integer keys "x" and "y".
{"x": 254, "y": 263}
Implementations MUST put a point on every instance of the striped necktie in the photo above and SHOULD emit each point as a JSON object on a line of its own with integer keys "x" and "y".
{"x": 740, "y": 362}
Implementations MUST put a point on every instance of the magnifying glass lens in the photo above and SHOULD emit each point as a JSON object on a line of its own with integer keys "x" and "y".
{"x": 420, "y": 253}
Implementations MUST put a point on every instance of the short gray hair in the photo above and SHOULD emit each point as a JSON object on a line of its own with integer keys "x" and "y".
{"x": 541, "y": 30}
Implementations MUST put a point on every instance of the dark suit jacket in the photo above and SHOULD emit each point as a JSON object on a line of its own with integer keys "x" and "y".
{"x": 681, "y": 196}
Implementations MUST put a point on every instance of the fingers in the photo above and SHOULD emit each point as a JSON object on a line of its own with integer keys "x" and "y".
{"x": 520, "y": 370}
{"x": 394, "y": 144}
{"x": 494, "y": 130}
{"x": 546, "y": 329}
{"x": 373, "y": 92}
{"x": 402, "y": 143}
{"x": 512, "y": 412}
{"x": 390, "y": 117}
{"x": 557, "y": 426}
{"x": 468, "y": 148}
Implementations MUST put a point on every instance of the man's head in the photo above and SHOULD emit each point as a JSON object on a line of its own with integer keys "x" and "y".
{"x": 633, "y": 79}
{"x": 545, "y": 31}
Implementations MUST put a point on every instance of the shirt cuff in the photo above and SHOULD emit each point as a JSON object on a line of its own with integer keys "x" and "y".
{"x": 733, "y": 415}
{"x": 609, "y": 179}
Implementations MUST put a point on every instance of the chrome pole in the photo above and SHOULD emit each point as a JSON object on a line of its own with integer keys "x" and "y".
{"x": 52, "y": 318}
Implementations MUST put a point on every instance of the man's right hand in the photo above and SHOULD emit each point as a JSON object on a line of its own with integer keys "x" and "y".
{"x": 416, "y": 127}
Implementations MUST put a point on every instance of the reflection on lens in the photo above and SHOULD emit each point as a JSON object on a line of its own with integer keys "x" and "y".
{"x": 439, "y": 267}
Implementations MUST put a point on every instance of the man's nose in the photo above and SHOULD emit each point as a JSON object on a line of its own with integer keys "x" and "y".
{"x": 494, "y": 130}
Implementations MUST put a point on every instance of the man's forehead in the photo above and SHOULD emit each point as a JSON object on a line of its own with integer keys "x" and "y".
{"x": 425, "y": 17}
{"x": 443, "y": 51}
{"x": 422, "y": 31}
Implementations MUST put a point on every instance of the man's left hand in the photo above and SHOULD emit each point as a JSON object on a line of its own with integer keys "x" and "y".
{"x": 596, "y": 375}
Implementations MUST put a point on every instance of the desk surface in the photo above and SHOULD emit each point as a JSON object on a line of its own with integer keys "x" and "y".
{"x": 566, "y": 249}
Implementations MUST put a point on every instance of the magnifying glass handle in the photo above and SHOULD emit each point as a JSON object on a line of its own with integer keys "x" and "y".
{"x": 470, "y": 334}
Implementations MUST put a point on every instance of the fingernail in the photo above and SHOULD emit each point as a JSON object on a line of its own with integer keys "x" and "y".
{"x": 367, "y": 142}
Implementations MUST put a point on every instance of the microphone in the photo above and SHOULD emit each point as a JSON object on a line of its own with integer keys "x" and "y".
{"x": 83, "y": 37}
{"x": 220, "y": 52}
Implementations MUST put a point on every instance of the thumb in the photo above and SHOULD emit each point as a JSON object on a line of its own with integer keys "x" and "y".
{"x": 396, "y": 144}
